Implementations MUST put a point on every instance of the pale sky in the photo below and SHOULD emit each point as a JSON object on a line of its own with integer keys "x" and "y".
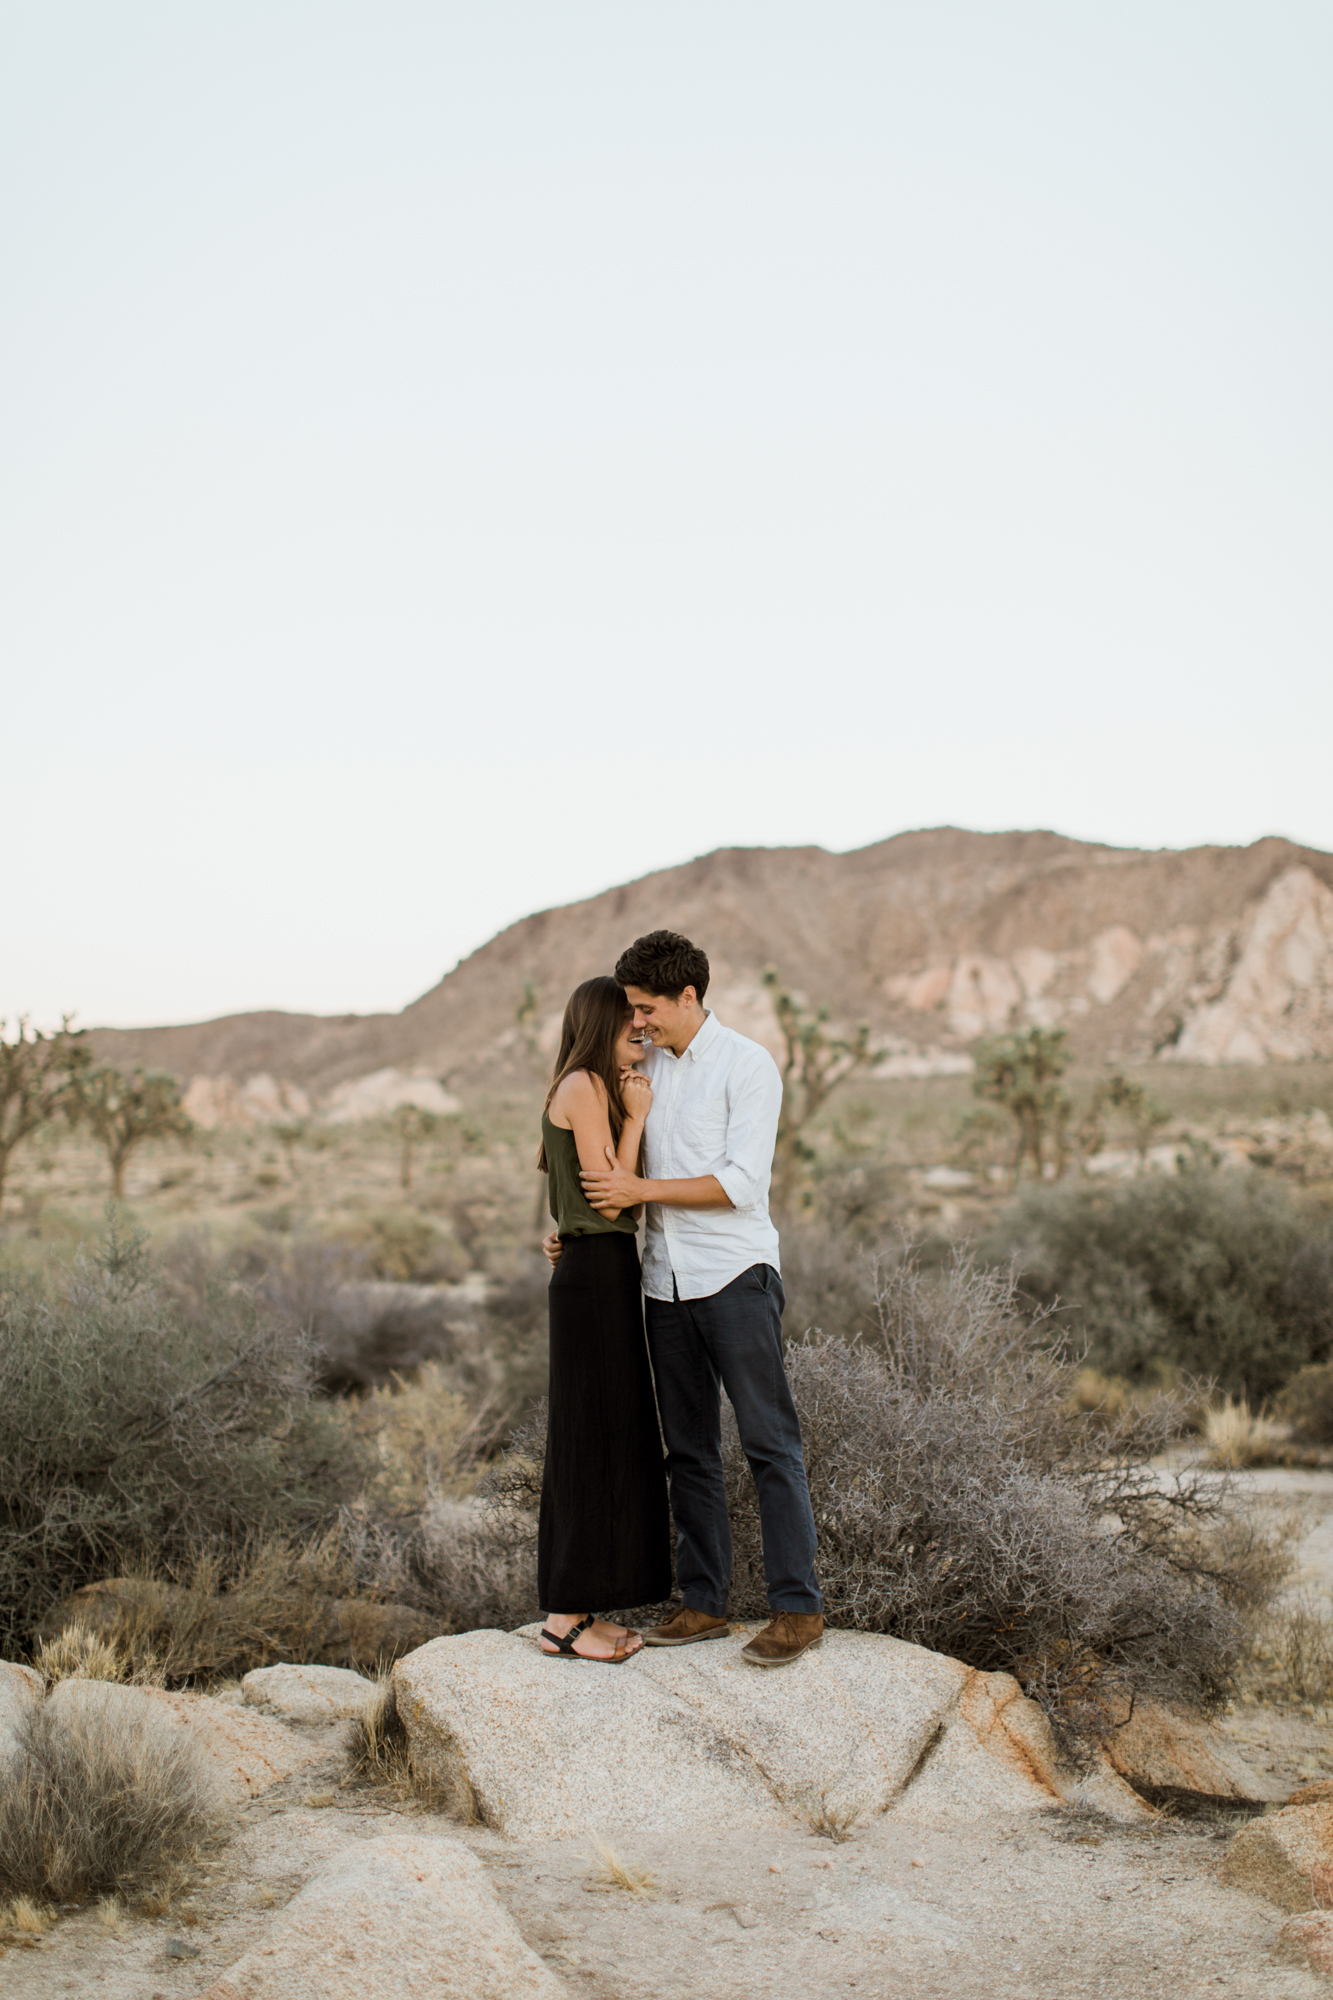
{"x": 459, "y": 457}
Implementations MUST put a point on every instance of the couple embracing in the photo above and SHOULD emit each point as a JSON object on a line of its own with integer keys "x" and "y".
{"x": 654, "y": 1104}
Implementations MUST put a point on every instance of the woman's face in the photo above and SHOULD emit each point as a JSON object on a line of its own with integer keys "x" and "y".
{"x": 629, "y": 1050}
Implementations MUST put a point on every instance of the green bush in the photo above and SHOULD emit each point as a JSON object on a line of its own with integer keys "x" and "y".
{"x": 1307, "y": 1404}
{"x": 135, "y": 1428}
{"x": 1212, "y": 1272}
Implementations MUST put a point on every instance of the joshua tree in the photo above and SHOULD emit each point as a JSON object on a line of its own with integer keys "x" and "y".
{"x": 817, "y": 1062}
{"x": 125, "y": 1107}
{"x": 1142, "y": 1111}
{"x": 1022, "y": 1072}
{"x": 289, "y": 1137}
{"x": 38, "y": 1080}
{"x": 412, "y": 1125}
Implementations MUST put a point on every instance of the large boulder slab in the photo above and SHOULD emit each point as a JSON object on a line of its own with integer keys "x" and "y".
{"x": 1158, "y": 1750}
{"x": 390, "y": 1919}
{"x": 20, "y": 1690}
{"x": 1287, "y": 1856}
{"x": 309, "y": 1694}
{"x": 542, "y": 1748}
{"x": 247, "y": 1751}
{"x": 539, "y": 1748}
{"x": 240, "y": 1753}
{"x": 86, "y": 1705}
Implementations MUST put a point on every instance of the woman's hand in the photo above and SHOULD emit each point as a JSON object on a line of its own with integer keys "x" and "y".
{"x": 636, "y": 1094}
{"x": 552, "y": 1249}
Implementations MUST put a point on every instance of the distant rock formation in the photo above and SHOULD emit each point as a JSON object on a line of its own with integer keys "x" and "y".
{"x": 1211, "y": 955}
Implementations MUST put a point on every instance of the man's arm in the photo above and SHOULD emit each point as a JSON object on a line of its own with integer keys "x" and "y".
{"x": 616, "y": 1189}
{"x": 754, "y": 1104}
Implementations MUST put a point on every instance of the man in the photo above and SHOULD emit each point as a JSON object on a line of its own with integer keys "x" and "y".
{"x": 714, "y": 1298}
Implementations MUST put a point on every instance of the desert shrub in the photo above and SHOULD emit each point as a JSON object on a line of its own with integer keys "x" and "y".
{"x": 965, "y": 1503}
{"x": 513, "y": 1324}
{"x": 100, "y": 1797}
{"x": 828, "y": 1277}
{"x": 1214, "y": 1271}
{"x": 404, "y": 1246}
{"x": 131, "y": 1430}
{"x": 368, "y": 1334}
{"x": 477, "y": 1561}
{"x": 1290, "y": 1657}
{"x": 421, "y": 1437}
{"x": 1306, "y": 1403}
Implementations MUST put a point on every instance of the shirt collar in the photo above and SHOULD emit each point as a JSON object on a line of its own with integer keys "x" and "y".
{"x": 704, "y": 1039}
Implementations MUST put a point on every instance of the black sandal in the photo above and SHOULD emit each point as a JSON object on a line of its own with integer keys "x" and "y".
{"x": 565, "y": 1646}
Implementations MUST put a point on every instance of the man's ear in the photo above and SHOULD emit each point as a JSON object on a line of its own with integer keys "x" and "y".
{"x": 690, "y": 990}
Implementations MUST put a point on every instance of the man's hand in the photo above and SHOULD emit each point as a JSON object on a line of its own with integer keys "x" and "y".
{"x": 613, "y": 1190}
{"x": 552, "y": 1249}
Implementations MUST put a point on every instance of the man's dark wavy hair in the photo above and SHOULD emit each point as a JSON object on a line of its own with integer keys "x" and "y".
{"x": 664, "y": 963}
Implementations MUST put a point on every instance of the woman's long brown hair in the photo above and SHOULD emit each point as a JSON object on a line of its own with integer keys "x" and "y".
{"x": 594, "y": 1016}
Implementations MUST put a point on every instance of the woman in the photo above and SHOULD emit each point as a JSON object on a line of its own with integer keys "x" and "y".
{"x": 603, "y": 1537}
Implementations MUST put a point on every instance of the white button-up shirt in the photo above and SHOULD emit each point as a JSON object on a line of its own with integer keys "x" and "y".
{"x": 715, "y": 1111}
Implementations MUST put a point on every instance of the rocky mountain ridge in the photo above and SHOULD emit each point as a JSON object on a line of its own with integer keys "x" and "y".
{"x": 1206, "y": 955}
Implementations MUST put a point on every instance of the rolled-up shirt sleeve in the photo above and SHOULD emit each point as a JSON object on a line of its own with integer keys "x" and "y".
{"x": 754, "y": 1106}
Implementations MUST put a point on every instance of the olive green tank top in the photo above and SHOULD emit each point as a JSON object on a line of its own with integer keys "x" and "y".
{"x": 569, "y": 1204}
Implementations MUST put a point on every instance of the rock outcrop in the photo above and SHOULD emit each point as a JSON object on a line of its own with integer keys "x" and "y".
{"x": 214, "y": 1101}
{"x": 309, "y": 1694}
{"x": 383, "y": 1091}
{"x": 1307, "y": 1941}
{"x": 391, "y": 1919}
{"x": 247, "y": 1752}
{"x": 20, "y": 1689}
{"x": 1287, "y": 1856}
{"x": 1159, "y": 1751}
{"x": 540, "y": 1748}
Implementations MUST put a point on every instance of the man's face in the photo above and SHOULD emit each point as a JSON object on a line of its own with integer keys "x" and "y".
{"x": 660, "y": 1020}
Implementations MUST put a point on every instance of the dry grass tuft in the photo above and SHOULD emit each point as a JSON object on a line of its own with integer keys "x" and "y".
{"x": 29, "y": 1919}
{"x": 376, "y": 1743}
{"x": 78, "y": 1654}
{"x": 101, "y": 1800}
{"x": 1236, "y": 1437}
{"x": 613, "y": 1873}
{"x": 376, "y": 1749}
{"x": 833, "y": 1819}
{"x": 111, "y": 1913}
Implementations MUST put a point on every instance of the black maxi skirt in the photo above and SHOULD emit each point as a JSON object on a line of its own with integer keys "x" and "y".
{"x": 604, "y": 1538}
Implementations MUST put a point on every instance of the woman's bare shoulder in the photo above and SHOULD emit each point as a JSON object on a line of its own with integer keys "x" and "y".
{"x": 579, "y": 1090}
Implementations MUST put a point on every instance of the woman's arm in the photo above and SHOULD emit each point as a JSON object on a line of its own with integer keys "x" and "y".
{"x": 580, "y": 1105}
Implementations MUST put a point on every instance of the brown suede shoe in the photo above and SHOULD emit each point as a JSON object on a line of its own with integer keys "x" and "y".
{"x": 686, "y": 1628}
{"x": 787, "y": 1635}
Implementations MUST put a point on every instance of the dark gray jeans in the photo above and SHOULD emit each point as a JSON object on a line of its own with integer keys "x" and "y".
{"x": 732, "y": 1339}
